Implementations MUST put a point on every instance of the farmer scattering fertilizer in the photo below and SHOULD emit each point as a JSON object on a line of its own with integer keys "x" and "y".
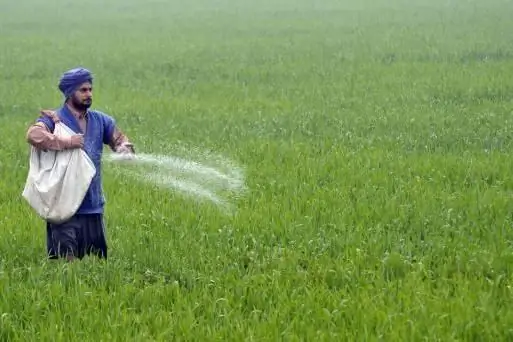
{"x": 83, "y": 232}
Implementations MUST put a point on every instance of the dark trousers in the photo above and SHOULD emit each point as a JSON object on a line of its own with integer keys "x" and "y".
{"x": 79, "y": 236}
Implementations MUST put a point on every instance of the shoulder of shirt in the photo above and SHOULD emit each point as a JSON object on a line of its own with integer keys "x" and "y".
{"x": 99, "y": 113}
{"x": 44, "y": 120}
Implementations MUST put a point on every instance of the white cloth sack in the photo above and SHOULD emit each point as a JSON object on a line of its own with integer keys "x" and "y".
{"x": 57, "y": 181}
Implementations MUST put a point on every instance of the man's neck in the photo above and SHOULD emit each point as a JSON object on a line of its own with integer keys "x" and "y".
{"x": 79, "y": 114}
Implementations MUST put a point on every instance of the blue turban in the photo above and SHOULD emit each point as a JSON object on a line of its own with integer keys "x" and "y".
{"x": 73, "y": 78}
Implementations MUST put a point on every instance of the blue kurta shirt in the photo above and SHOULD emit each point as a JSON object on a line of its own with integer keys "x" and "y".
{"x": 100, "y": 128}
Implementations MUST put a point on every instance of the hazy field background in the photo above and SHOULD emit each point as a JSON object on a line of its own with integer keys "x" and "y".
{"x": 375, "y": 137}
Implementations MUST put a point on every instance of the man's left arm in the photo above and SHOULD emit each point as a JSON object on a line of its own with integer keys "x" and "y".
{"x": 117, "y": 140}
{"x": 120, "y": 143}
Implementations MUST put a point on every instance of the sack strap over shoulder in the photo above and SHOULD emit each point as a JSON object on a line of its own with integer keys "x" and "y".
{"x": 52, "y": 115}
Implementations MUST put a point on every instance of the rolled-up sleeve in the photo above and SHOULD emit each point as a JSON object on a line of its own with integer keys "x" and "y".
{"x": 39, "y": 136}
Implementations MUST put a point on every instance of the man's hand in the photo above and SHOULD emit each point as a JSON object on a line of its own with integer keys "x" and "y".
{"x": 125, "y": 148}
{"x": 126, "y": 151}
{"x": 76, "y": 141}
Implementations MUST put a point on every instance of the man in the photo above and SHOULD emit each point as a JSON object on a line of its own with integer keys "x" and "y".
{"x": 84, "y": 233}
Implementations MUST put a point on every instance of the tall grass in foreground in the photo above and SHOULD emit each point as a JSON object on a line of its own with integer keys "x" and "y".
{"x": 375, "y": 141}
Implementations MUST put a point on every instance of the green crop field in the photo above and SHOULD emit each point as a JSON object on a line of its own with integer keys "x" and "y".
{"x": 375, "y": 140}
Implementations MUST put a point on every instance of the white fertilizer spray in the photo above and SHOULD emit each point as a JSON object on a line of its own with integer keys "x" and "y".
{"x": 218, "y": 182}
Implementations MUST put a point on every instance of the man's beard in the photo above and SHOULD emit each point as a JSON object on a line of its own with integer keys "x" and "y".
{"x": 81, "y": 105}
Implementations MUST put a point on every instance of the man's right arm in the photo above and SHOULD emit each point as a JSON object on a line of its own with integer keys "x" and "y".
{"x": 40, "y": 136}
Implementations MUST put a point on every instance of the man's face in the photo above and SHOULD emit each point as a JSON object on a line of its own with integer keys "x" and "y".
{"x": 82, "y": 98}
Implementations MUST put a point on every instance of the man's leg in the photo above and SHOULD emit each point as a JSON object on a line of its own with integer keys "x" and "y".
{"x": 94, "y": 235}
{"x": 62, "y": 240}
